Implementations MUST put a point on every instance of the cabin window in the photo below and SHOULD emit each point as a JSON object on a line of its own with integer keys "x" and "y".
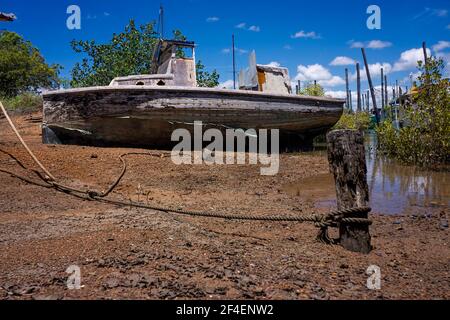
{"x": 140, "y": 83}
{"x": 161, "y": 83}
{"x": 184, "y": 53}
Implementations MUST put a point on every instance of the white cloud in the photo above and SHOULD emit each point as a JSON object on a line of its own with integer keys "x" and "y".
{"x": 444, "y": 55}
{"x": 413, "y": 76}
{"x": 336, "y": 94}
{"x": 243, "y": 26}
{"x": 440, "y": 12}
{"x": 375, "y": 71}
{"x": 373, "y": 44}
{"x": 106, "y": 14}
{"x": 341, "y": 94}
{"x": 287, "y": 47}
{"x": 333, "y": 82}
{"x": 306, "y": 35}
{"x": 212, "y": 19}
{"x": 355, "y": 44}
{"x": 408, "y": 59}
{"x": 441, "y": 45}
{"x": 238, "y": 50}
{"x": 342, "y": 61}
{"x": 312, "y": 72}
{"x": 378, "y": 44}
{"x": 229, "y": 84}
{"x": 430, "y": 12}
{"x": 319, "y": 73}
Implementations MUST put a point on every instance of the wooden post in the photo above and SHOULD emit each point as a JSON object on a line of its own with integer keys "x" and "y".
{"x": 386, "y": 96}
{"x": 363, "y": 100}
{"x": 347, "y": 88}
{"x": 351, "y": 100}
{"x": 358, "y": 87}
{"x": 346, "y": 155}
{"x": 368, "y": 101}
{"x": 424, "y": 47}
{"x": 234, "y": 62}
{"x": 382, "y": 94}
{"x": 372, "y": 90}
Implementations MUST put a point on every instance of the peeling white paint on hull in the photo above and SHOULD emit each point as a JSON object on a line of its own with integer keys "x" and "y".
{"x": 146, "y": 116}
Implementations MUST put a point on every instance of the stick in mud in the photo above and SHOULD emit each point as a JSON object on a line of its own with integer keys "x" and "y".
{"x": 346, "y": 155}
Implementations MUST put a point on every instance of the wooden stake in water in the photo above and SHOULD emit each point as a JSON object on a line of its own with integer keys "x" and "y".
{"x": 347, "y": 89}
{"x": 358, "y": 85}
{"x": 382, "y": 93}
{"x": 372, "y": 90}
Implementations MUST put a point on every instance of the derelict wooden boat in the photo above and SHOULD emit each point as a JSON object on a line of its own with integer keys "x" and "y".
{"x": 143, "y": 111}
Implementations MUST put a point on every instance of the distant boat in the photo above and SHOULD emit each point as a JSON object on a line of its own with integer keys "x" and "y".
{"x": 144, "y": 110}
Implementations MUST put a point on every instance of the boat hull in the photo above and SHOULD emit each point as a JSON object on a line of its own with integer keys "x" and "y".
{"x": 146, "y": 117}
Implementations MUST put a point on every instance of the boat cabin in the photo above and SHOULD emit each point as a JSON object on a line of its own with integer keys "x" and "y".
{"x": 265, "y": 78}
{"x": 173, "y": 64}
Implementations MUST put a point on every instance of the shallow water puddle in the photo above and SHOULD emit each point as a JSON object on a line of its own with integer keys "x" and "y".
{"x": 394, "y": 189}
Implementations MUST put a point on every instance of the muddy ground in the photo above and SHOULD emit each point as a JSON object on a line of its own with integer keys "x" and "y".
{"x": 126, "y": 253}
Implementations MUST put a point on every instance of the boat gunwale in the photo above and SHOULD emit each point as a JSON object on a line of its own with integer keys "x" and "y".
{"x": 242, "y": 93}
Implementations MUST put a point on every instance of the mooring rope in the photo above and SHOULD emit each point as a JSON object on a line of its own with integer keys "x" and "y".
{"x": 322, "y": 221}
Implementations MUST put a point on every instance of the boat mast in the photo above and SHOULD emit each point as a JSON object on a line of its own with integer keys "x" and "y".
{"x": 234, "y": 63}
{"x": 161, "y": 22}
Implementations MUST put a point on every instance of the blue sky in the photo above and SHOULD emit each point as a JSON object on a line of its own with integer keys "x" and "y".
{"x": 305, "y": 36}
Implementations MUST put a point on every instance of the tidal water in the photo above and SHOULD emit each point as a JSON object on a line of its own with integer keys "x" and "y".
{"x": 395, "y": 189}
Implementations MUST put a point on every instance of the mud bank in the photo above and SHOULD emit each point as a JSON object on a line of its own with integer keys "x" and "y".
{"x": 128, "y": 253}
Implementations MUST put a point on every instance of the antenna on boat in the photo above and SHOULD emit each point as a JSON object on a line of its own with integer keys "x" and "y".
{"x": 234, "y": 63}
{"x": 161, "y": 22}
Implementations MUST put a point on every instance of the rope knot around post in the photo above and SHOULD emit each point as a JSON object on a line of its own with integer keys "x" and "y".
{"x": 336, "y": 219}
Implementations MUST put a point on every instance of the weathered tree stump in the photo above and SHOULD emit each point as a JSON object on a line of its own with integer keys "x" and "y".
{"x": 346, "y": 155}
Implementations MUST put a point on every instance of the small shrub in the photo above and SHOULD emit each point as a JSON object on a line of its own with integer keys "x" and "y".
{"x": 23, "y": 102}
{"x": 354, "y": 121}
{"x": 425, "y": 139}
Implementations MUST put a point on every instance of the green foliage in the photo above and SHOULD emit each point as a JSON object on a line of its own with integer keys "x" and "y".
{"x": 22, "y": 67}
{"x": 205, "y": 78}
{"x": 315, "y": 90}
{"x": 354, "y": 121}
{"x": 129, "y": 52}
{"x": 23, "y": 102}
{"x": 425, "y": 138}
